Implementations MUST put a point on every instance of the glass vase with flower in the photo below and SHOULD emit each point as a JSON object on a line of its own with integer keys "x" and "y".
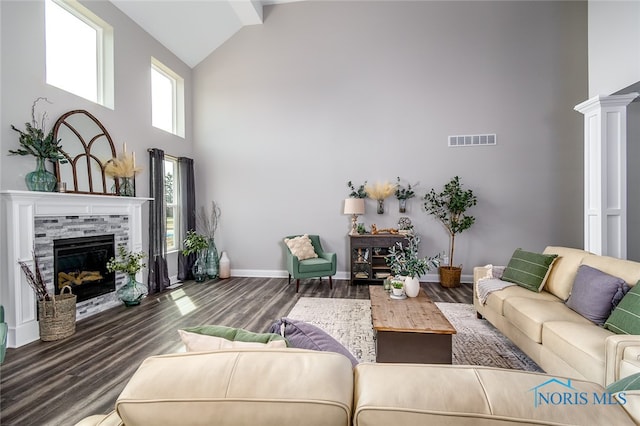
{"x": 123, "y": 170}
{"x": 129, "y": 263}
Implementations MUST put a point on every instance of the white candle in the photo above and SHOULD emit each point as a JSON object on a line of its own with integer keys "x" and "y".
{"x": 134, "y": 159}
{"x": 124, "y": 147}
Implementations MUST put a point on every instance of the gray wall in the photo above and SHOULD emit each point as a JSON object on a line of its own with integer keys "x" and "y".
{"x": 326, "y": 92}
{"x": 23, "y": 80}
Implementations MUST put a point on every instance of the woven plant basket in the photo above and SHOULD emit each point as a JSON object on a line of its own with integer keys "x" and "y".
{"x": 450, "y": 276}
{"x": 58, "y": 316}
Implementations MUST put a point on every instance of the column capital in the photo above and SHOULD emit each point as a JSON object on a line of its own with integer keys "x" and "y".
{"x": 606, "y": 101}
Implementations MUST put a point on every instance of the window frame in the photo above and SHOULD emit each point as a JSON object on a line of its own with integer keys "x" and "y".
{"x": 177, "y": 97}
{"x": 104, "y": 51}
{"x": 177, "y": 238}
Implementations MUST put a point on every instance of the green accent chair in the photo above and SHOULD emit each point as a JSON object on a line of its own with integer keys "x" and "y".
{"x": 322, "y": 266}
{"x": 3, "y": 334}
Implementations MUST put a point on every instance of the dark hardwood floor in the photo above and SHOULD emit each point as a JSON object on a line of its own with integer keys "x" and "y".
{"x": 59, "y": 383}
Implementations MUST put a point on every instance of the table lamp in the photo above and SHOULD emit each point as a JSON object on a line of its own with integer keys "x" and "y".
{"x": 354, "y": 207}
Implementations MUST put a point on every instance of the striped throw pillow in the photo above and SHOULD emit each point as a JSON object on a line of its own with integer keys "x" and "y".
{"x": 625, "y": 384}
{"x": 625, "y": 318}
{"x": 529, "y": 270}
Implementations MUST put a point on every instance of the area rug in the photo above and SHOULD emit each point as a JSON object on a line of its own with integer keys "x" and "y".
{"x": 476, "y": 342}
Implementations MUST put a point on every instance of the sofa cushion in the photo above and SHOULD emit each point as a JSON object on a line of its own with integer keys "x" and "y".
{"x": 563, "y": 273}
{"x": 303, "y": 335}
{"x": 395, "y": 394}
{"x": 240, "y": 387}
{"x": 496, "y": 299}
{"x": 626, "y": 269}
{"x": 595, "y": 293}
{"x": 314, "y": 265}
{"x": 301, "y": 247}
{"x": 528, "y": 315}
{"x": 195, "y": 342}
{"x": 528, "y": 270}
{"x": 581, "y": 345}
{"x": 625, "y": 318}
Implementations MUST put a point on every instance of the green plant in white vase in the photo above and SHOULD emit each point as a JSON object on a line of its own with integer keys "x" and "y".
{"x": 403, "y": 260}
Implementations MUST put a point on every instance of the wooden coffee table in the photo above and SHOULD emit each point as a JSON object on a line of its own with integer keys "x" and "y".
{"x": 409, "y": 330}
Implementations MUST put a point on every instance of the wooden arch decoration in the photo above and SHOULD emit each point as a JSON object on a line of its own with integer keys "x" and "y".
{"x": 88, "y": 148}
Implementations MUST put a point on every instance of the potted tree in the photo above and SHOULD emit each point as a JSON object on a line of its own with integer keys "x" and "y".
{"x": 449, "y": 207}
{"x": 404, "y": 261}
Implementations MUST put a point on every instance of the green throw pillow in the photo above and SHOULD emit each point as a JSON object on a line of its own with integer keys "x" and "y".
{"x": 625, "y": 318}
{"x": 529, "y": 270}
{"x": 234, "y": 334}
{"x": 631, "y": 382}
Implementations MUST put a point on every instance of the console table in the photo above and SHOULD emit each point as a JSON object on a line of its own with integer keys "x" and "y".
{"x": 367, "y": 254}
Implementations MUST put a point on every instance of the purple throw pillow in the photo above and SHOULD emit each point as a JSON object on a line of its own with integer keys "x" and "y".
{"x": 595, "y": 293}
{"x": 303, "y": 335}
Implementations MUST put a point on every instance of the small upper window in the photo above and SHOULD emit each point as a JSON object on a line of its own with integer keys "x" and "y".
{"x": 79, "y": 51}
{"x": 167, "y": 99}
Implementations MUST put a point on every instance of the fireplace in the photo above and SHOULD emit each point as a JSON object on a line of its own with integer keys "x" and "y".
{"x": 81, "y": 263}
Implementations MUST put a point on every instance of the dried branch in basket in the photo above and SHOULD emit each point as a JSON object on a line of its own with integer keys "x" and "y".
{"x": 35, "y": 281}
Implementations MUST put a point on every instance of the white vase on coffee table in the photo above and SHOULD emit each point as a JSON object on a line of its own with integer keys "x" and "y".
{"x": 411, "y": 286}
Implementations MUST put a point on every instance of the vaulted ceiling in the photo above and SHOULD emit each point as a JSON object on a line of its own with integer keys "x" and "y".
{"x": 192, "y": 29}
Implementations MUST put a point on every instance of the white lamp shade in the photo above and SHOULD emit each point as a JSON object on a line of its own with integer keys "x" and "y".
{"x": 354, "y": 206}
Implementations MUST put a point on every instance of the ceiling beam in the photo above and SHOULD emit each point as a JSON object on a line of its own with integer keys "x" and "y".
{"x": 249, "y": 11}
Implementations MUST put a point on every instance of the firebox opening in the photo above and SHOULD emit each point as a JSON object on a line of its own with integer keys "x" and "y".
{"x": 81, "y": 263}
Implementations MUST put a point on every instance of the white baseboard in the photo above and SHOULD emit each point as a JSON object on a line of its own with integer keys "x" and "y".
{"x": 340, "y": 275}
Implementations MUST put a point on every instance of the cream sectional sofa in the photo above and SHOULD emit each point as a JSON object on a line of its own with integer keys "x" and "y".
{"x": 299, "y": 387}
{"x": 560, "y": 340}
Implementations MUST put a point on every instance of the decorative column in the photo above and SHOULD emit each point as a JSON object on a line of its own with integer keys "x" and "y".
{"x": 605, "y": 174}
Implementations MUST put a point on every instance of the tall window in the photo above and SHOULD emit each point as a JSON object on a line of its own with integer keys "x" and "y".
{"x": 79, "y": 51}
{"x": 167, "y": 99}
{"x": 171, "y": 202}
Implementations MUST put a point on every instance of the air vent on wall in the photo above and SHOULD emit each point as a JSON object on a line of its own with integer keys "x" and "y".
{"x": 472, "y": 140}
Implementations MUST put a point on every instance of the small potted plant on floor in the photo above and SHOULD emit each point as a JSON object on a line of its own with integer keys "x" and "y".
{"x": 129, "y": 263}
{"x": 197, "y": 244}
{"x": 404, "y": 261}
{"x": 449, "y": 207}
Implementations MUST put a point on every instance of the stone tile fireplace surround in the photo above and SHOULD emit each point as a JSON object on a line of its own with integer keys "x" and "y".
{"x": 32, "y": 220}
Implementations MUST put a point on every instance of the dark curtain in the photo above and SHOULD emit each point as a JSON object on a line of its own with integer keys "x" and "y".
{"x": 187, "y": 206}
{"x": 158, "y": 272}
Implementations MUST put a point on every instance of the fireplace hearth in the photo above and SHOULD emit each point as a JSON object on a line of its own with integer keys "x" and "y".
{"x": 81, "y": 263}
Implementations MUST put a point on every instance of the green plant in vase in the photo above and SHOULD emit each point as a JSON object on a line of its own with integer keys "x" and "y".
{"x": 129, "y": 263}
{"x": 358, "y": 192}
{"x": 34, "y": 140}
{"x": 404, "y": 261}
{"x": 403, "y": 194}
{"x": 196, "y": 244}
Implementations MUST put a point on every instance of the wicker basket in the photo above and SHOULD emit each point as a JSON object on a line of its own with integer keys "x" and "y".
{"x": 58, "y": 316}
{"x": 450, "y": 276}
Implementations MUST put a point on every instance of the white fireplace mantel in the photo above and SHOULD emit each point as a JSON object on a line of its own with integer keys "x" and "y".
{"x": 19, "y": 210}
